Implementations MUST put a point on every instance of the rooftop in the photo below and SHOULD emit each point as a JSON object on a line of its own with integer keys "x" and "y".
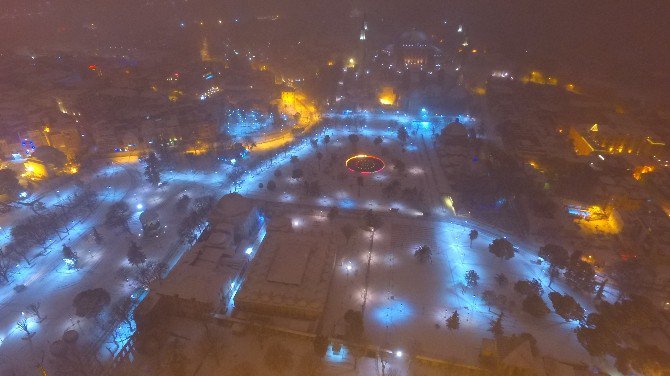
{"x": 290, "y": 276}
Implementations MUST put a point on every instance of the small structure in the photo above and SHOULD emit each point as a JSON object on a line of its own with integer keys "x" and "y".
{"x": 237, "y": 214}
{"x": 454, "y": 133}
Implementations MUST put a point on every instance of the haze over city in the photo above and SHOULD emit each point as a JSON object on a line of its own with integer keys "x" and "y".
{"x": 364, "y": 187}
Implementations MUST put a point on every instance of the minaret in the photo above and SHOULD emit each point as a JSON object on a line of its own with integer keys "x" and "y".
{"x": 363, "y": 44}
{"x": 204, "y": 51}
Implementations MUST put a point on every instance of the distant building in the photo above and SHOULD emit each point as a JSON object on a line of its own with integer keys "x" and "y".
{"x": 414, "y": 51}
{"x": 615, "y": 138}
{"x": 45, "y": 162}
{"x": 68, "y": 140}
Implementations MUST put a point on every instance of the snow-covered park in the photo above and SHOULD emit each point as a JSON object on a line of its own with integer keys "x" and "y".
{"x": 406, "y": 302}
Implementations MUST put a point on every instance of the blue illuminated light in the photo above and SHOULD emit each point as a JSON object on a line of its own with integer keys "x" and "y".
{"x": 347, "y": 203}
{"x": 339, "y": 356}
{"x": 392, "y": 312}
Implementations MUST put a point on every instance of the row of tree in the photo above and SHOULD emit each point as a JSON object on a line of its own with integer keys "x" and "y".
{"x": 41, "y": 229}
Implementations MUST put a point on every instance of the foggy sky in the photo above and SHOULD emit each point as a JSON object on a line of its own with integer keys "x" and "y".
{"x": 622, "y": 39}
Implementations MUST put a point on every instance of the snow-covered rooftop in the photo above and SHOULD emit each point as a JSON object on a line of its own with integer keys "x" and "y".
{"x": 290, "y": 276}
{"x": 204, "y": 272}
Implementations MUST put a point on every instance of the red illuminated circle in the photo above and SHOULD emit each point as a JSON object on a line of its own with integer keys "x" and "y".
{"x": 365, "y": 164}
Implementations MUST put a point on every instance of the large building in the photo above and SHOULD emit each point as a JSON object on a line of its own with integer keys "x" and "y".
{"x": 613, "y": 138}
{"x": 290, "y": 276}
{"x": 206, "y": 278}
{"x": 414, "y": 51}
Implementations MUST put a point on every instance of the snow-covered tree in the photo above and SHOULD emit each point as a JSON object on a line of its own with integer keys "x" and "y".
{"x": 566, "y": 307}
{"x": 473, "y": 235}
{"x": 152, "y": 169}
{"x": 502, "y": 248}
{"x": 118, "y": 215}
{"x": 403, "y": 136}
{"x": 471, "y": 278}
{"x": 496, "y": 326}
{"x": 353, "y": 139}
{"x": 89, "y": 303}
{"x": 529, "y": 287}
{"x": 97, "y": 236}
{"x": 501, "y": 279}
{"x": 535, "y": 305}
{"x": 378, "y": 140}
{"x": 9, "y": 184}
{"x": 423, "y": 254}
{"x": 556, "y": 256}
{"x": 135, "y": 255}
{"x": 454, "y": 321}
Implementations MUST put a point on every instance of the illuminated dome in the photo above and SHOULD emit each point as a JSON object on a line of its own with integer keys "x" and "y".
{"x": 455, "y": 129}
{"x": 414, "y": 37}
{"x": 365, "y": 164}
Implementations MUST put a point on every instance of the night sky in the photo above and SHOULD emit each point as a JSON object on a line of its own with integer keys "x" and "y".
{"x": 623, "y": 42}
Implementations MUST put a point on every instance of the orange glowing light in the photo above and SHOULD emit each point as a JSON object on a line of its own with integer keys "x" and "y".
{"x": 387, "y": 96}
{"x": 364, "y": 164}
{"x": 641, "y": 170}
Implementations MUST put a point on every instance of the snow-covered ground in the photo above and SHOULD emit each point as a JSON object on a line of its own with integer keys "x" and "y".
{"x": 50, "y": 283}
{"x": 405, "y": 299}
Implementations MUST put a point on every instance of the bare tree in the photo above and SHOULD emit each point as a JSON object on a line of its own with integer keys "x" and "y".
{"x": 347, "y": 230}
{"x": 6, "y": 266}
{"x": 23, "y": 325}
{"x": 34, "y": 309}
{"x": 121, "y": 311}
{"x": 118, "y": 215}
